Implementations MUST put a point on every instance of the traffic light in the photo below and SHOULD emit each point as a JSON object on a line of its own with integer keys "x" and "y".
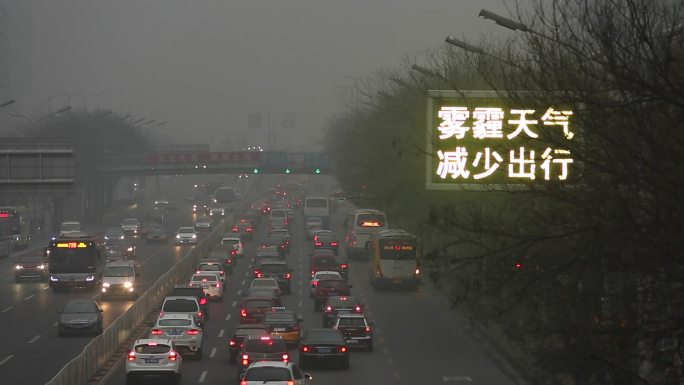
{"x": 317, "y": 171}
{"x": 287, "y": 171}
{"x": 256, "y": 171}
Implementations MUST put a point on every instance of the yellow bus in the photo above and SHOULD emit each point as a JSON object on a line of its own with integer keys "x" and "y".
{"x": 394, "y": 259}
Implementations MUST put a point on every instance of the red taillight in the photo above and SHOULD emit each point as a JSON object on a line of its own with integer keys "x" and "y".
{"x": 313, "y": 272}
{"x": 290, "y": 383}
{"x": 217, "y": 285}
{"x": 248, "y": 230}
{"x": 315, "y": 283}
{"x": 245, "y": 360}
{"x": 234, "y": 252}
{"x": 305, "y": 348}
{"x": 198, "y": 271}
{"x": 368, "y": 329}
{"x": 318, "y": 244}
{"x": 285, "y": 357}
{"x": 243, "y": 382}
{"x": 295, "y": 328}
{"x": 222, "y": 272}
{"x": 343, "y": 349}
{"x": 357, "y": 309}
{"x": 203, "y": 301}
{"x": 333, "y": 243}
{"x": 131, "y": 355}
{"x": 229, "y": 261}
{"x": 260, "y": 275}
{"x": 344, "y": 266}
{"x": 199, "y": 314}
{"x": 193, "y": 332}
{"x": 173, "y": 356}
{"x": 288, "y": 275}
{"x": 232, "y": 342}
{"x": 236, "y": 230}
{"x": 328, "y": 309}
{"x": 156, "y": 332}
{"x": 243, "y": 312}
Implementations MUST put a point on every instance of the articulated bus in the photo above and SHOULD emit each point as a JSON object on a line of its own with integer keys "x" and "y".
{"x": 394, "y": 259}
{"x": 16, "y": 220}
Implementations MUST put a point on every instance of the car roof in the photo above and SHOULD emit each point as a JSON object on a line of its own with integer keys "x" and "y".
{"x": 230, "y": 239}
{"x": 186, "y": 229}
{"x": 344, "y": 299}
{"x": 327, "y": 272}
{"x": 351, "y": 315}
{"x": 120, "y": 264}
{"x": 272, "y": 262}
{"x": 264, "y": 279}
{"x": 82, "y": 301}
{"x": 146, "y": 341}
{"x": 270, "y": 364}
{"x": 174, "y": 297}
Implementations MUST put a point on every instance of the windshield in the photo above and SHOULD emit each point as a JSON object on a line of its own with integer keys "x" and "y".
{"x": 266, "y": 374}
{"x": 351, "y": 322}
{"x": 77, "y": 260}
{"x": 152, "y": 349}
{"x": 267, "y": 269}
{"x": 259, "y": 303}
{"x": 264, "y": 283}
{"x": 186, "y": 230}
{"x": 210, "y": 267}
{"x": 118, "y": 271}
{"x": 128, "y": 222}
{"x": 323, "y": 261}
{"x": 204, "y": 278}
{"x": 317, "y": 202}
{"x": 265, "y": 346}
{"x": 180, "y": 306}
{"x": 230, "y": 242}
{"x": 79, "y": 307}
{"x": 174, "y": 322}
{"x": 71, "y": 227}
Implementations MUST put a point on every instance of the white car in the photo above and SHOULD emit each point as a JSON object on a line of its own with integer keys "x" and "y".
{"x": 274, "y": 373}
{"x": 119, "y": 278}
{"x": 319, "y": 275}
{"x": 236, "y": 243}
{"x": 131, "y": 226}
{"x": 266, "y": 282}
{"x": 153, "y": 357}
{"x": 186, "y": 236}
{"x": 183, "y": 329}
{"x": 210, "y": 282}
{"x": 70, "y": 228}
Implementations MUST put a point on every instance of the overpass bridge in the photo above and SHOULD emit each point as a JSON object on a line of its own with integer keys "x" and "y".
{"x": 200, "y": 162}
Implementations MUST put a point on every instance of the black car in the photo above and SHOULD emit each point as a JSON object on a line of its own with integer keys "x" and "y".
{"x": 267, "y": 252}
{"x": 330, "y": 288}
{"x": 30, "y": 266}
{"x": 275, "y": 269}
{"x": 340, "y": 305}
{"x": 80, "y": 316}
{"x": 192, "y": 291}
{"x": 281, "y": 243}
{"x": 326, "y": 239}
{"x": 356, "y": 330}
{"x": 321, "y": 346}
{"x": 264, "y": 348}
{"x": 229, "y": 261}
{"x": 241, "y": 333}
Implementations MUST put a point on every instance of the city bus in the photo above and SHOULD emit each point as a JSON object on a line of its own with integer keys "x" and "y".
{"x": 16, "y": 220}
{"x": 318, "y": 207}
{"x": 76, "y": 260}
{"x": 394, "y": 259}
{"x": 360, "y": 225}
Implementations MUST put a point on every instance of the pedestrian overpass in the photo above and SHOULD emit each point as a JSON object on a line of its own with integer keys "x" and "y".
{"x": 199, "y": 162}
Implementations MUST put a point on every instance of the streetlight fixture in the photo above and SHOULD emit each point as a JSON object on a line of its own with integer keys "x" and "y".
{"x": 35, "y": 123}
{"x": 428, "y": 72}
{"x": 504, "y": 22}
{"x": 7, "y": 103}
{"x": 52, "y": 97}
{"x": 160, "y": 123}
{"x": 138, "y": 121}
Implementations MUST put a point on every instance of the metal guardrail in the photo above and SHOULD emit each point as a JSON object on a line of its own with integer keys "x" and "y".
{"x": 101, "y": 348}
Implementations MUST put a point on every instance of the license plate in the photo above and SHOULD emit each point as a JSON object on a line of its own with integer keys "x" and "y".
{"x": 175, "y": 332}
{"x": 151, "y": 360}
{"x": 324, "y": 350}
{"x": 352, "y": 341}
{"x": 279, "y": 329}
{"x": 343, "y": 311}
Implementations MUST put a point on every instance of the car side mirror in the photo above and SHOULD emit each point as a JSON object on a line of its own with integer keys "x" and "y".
{"x": 307, "y": 376}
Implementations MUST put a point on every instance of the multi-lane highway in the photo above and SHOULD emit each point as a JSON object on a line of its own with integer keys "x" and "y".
{"x": 31, "y": 352}
{"x": 418, "y": 339}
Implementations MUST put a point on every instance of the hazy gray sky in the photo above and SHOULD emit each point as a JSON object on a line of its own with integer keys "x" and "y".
{"x": 202, "y": 65}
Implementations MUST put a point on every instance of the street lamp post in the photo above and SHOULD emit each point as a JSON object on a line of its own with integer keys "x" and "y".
{"x": 52, "y": 97}
{"x": 34, "y": 124}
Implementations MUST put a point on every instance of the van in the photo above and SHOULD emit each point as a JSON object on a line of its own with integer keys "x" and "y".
{"x": 69, "y": 227}
{"x": 318, "y": 207}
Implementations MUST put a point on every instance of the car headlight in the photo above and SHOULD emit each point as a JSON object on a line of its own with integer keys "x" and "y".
{"x": 106, "y": 237}
{"x": 178, "y": 236}
{"x": 128, "y": 285}
{"x": 135, "y": 231}
{"x": 41, "y": 267}
{"x": 130, "y": 249}
{"x": 90, "y": 278}
{"x": 19, "y": 267}
{"x": 194, "y": 236}
{"x": 105, "y": 284}
{"x": 53, "y": 278}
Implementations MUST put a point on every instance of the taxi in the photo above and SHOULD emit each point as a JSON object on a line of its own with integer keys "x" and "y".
{"x": 283, "y": 323}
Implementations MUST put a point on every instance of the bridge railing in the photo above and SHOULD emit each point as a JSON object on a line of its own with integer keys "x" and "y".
{"x": 101, "y": 348}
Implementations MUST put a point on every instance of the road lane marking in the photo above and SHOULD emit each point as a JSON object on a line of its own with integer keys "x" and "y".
{"x": 239, "y": 292}
{"x": 29, "y": 297}
{"x": 221, "y": 333}
{"x": 203, "y": 376}
{"x": 8, "y": 308}
{"x": 233, "y": 304}
{"x": 46, "y": 287}
{"x": 243, "y": 282}
{"x": 300, "y": 303}
{"x": 228, "y": 317}
{"x": 34, "y": 339}
{"x": 457, "y": 379}
{"x": 6, "y": 359}
{"x": 300, "y": 291}
{"x": 385, "y": 350}
{"x": 396, "y": 375}
{"x": 391, "y": 362}
{"x": 213, "y": 353}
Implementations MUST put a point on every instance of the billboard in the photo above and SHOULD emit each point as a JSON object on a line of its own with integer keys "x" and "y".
{"x": 474, "y": 140}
